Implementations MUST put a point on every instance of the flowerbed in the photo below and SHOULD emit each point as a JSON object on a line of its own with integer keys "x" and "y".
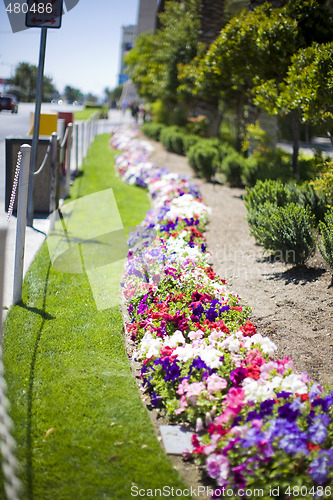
{"x": 258, "y": 422}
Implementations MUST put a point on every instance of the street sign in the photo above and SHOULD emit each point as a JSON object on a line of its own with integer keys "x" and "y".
{"x": 43, "y": 14}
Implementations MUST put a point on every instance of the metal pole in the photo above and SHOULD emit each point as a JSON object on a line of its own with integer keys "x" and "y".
{"x": 21, "y": 222}
{"x": 35, "y": 137}
{"x": 76, "y": 147}
{"x": 53, "y": 173}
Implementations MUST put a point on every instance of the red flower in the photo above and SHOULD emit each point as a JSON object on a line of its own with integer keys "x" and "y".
{"x": 167, "y": 351}
{"x": 248, "y": 329}
{"x": 253, "y": 372}
{"x": 312, "y": 447}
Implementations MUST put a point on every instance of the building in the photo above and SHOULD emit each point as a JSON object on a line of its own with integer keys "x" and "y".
{"x": 146, "y": 16}
{"x": 146, "y": 22}
{"x": 127, "y": 43}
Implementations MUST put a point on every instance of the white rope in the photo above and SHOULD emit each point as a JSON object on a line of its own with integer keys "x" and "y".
{"x": 44, "y": 161}
{"x": 64, "y": 139}
{"x": 14, "y": 188}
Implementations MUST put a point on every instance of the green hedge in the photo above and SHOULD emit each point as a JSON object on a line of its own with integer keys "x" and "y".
{"x": 326, "y": 245}
{"x": 274, "y": 191}
{"x": 172, "y": 139}
{"x": 152, "y": 130}
{"x": 203, "y": 157}
{"x": 286, "y": 231}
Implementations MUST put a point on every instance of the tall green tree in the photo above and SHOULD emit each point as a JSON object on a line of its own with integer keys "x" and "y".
{"x": 314, "y": 25}
{"x": 72, "y": 94}
{"x": 254, "y": 45}
{"x": 153, "y": 63}
{"x": 307, "y": 89}
{"x": 25, "y": 81}
{"x": 212, "y": 20}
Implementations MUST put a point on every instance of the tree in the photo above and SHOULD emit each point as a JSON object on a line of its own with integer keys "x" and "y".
{"x": 314, "y": 24}
{"x": 153, "y": 63}
{"x": 211, "y": 17}
{"x": 72, "y": 94}
{"x": 25, "y": 81}
{"x": 254, "y": 45}
{"x": 308, "y": 86}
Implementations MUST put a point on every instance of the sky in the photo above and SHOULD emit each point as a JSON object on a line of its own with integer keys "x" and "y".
{"x": 84, "y": 52}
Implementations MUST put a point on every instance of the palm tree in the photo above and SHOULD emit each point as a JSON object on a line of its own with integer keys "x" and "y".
{"x": 212, "y": 19}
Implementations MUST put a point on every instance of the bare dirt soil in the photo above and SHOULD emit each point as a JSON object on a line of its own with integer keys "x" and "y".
{"x": 291, "y": 305}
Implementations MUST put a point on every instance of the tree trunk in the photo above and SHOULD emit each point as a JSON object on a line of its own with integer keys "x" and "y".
{"x": 295, "y": 129}
{"x": 275, "y": 3}
{"x": 211, "y": 22}
{"x": 239, "y": 121}
{"x": 210, "y": 110}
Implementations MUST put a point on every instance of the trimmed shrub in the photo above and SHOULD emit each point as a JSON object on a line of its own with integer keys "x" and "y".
{"x": 203, "y": 157}
{"x": 316, "y": 201}
{"x": 152, "y": 130}
{"x": 287, "y": 231}
{"x": 281, "y": 194}
{"x": 231, "y": 167}
{"x": 189, "y": 140}
{"x": 274, "y": 164}
{"x": 172, "y": 139}
{"x": 326, "y": 245}
{"x": 267, "y": 191}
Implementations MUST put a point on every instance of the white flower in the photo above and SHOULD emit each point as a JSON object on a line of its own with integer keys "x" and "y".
{"x": 267, "y": 346}
{"x": 230, "y": 343}
{"x": 211, "y": 357}
{"x": 255, "y": 391}
{"x": 175, "y": 339}
{"x": 184, "y": 353}
{"x": 294, "y": 383}
{"x": 149, "y": 346}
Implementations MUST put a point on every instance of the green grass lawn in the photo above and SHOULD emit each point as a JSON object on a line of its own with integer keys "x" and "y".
{"x": 81, "y": 429}
{"x": 85, "y": 114}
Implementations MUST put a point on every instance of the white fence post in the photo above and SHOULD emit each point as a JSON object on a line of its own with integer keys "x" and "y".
{"x": 76, "y": 147}
{"x": 3, "y": 234}
{"x": 68, "y": 157}
{"x": 21, "y": 222}
{"x": 82, "y": 141}
{"x": 54, "y": 174}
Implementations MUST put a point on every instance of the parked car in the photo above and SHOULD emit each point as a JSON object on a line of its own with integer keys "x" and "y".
{"x": 8, "y": 102}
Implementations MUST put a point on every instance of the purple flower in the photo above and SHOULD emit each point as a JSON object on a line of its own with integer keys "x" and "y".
{"x": 172, "y": 372}
{"x": 284, "y": 394}
{"x": 155, "y": 399}
{"x": 211, "y": 314}
{"x": 253, "y": 437}
{"x": 325, "y": 402}
{"x": 266, "y": 407}
{"x": 224, "y": 309}
{"x": 319, "y": 468}
{"x": 288, "y": 412}
{"x": 238, "y": 375}
{"x": 315, "y": 390}
{"x": 198, "y": 310}
{"x": 252, "y": 415}
{"x": 318, "y": 430}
